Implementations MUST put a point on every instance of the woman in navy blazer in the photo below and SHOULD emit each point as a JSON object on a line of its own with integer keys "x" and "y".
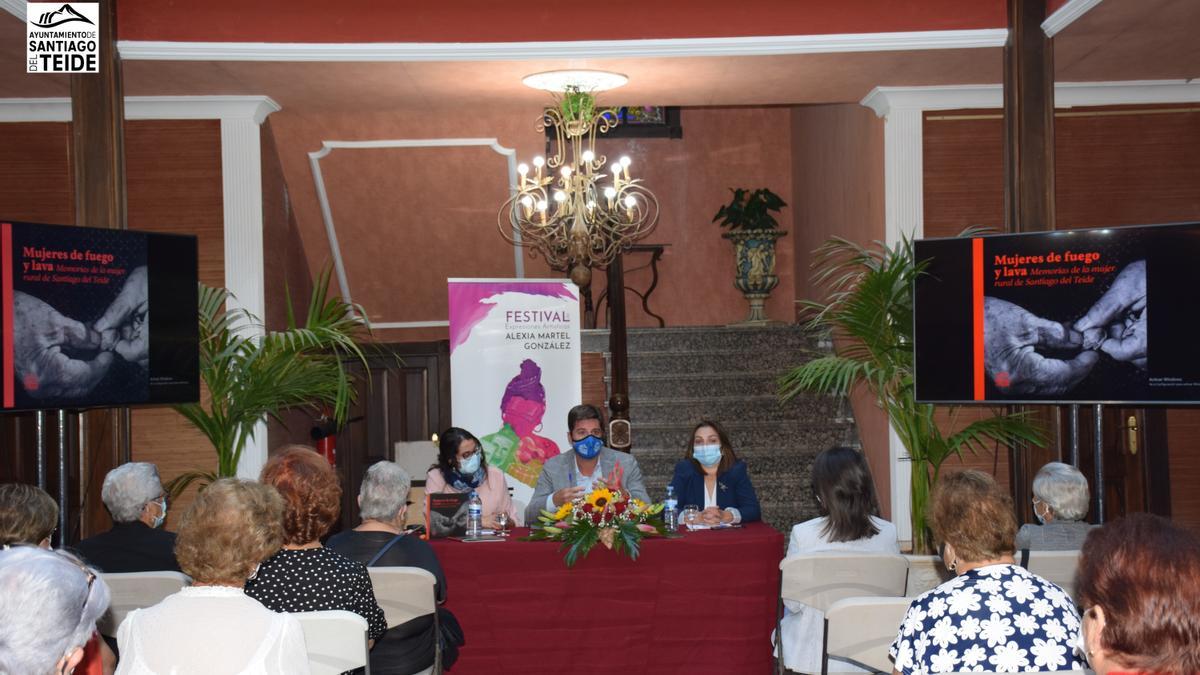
{"x": 711, "y": 477}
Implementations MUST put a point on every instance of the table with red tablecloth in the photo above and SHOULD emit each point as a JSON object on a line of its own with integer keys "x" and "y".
{"x": 700, "y": 603}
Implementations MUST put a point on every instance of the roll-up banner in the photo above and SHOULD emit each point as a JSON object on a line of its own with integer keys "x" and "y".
{"x": 515, "y": 370}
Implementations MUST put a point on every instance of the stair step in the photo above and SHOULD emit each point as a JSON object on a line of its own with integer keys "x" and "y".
{"x": 684, "y": 385}
{"x": 753, "y": 408}
{"x": 705, "y": 338}
{"x": 715, "y": 360}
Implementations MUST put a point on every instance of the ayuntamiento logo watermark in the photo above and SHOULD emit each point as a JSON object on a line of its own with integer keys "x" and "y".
{"x": 62, "y": 37}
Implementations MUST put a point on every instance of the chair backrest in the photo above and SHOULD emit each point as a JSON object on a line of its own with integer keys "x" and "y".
{"x": 136, "y": 590}
{"x": 1056, "y": 567}
{"x": 1028, "y": 672}
{"x": 862, "y": 629}
{"x": 820, "y": 579}
{"x": 336, "y": 641}
{"x": 404, "y": 593}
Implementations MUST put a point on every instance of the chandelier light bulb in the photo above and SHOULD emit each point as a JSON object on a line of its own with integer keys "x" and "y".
{"x": 527, "y": 201}
{"x": 610, "y": 192}
{"x": 625, "y": 161}
{"x": 630, "y": 202}
{"x": 522, "y": 169}
{"x": 560, "y": 196}
{"x": 566, "y": 172}
{"x": 591, "y": 205}
{"x": 589, "y": 156}
{"x": 538, "y": 161}
{"x": 616, "y": 168}
{"x": 541, "y": 205}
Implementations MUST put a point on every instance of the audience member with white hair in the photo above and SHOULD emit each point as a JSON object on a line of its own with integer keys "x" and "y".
{"x": 212, "y": 626}
{"x": 1060, "y": 503}
{"x": 49, "y": 603}
{"x": 380, "y": 541}
{"x": 28, "y": 516}
{"x": 135, "y": 498}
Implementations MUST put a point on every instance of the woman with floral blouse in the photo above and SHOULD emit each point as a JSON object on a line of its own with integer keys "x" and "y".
{"x": 994, "y": 615}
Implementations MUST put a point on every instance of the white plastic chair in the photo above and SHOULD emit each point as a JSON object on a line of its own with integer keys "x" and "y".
{"x": 862, "y": 629}
{"x": 406, "y": 593}
{"x": 136, "y": 590}
{"x": 336, "y": 641}
{"x": 1055, "y": 566}
{"x": 821, "y": 579}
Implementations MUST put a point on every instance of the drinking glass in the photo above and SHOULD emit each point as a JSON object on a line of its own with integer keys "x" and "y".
{"x": 691, "y": 515}
{"x": 501, "y": 523}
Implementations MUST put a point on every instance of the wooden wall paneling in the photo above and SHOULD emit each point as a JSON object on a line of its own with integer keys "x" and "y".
{"x": 964, "y": 172}
{"x": 173, "y": 170}
{"x": 595, "y": 391}
{"x": 1183, "y": 445}
{"x": 1130, "y": 165}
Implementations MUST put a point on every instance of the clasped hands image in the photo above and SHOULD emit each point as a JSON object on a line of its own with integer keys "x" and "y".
{"x": 47, "y": 345}
{"x": 1015, "y": 339}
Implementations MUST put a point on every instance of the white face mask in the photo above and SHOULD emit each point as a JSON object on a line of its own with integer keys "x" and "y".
{"x": 1080, "y": 645}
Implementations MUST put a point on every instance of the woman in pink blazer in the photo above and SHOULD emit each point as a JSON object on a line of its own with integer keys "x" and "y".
{"x": 461, "y": 467}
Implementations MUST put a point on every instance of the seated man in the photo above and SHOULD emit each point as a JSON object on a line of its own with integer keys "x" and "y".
{"x": 135, "y": 499}
{"x": 569, "y": 475}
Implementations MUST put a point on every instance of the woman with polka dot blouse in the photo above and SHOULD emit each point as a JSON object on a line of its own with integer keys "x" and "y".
{"x": 304, "y": 576}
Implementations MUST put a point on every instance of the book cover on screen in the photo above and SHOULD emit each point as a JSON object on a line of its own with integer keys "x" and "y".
{"x": 96, "y": 317}
{"x": 1088, "y": 316}
{"x": 446, "y": 514}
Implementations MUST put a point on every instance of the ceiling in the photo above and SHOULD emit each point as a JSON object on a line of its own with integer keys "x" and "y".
{"x": 1116, "y": 40}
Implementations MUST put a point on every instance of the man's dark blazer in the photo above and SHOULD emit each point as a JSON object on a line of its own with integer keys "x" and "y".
{"x": 130, "y": 547}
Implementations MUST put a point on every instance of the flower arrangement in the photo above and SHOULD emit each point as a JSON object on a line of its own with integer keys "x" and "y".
{"x": 608, "y": 515}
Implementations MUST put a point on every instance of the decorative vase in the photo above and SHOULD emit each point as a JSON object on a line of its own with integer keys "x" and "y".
{"x": 754, "y": 254}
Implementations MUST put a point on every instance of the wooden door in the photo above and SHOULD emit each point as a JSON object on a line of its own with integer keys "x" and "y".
{"x": 404, "y": 397}
{"x": 1134, "y": 467}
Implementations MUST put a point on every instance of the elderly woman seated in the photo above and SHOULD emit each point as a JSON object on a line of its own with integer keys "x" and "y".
{"x": 138, "y": 505}
{"x": 1060, "y": 502}
{"x": 49, "y": 603}
{"x": 994, "y": 616}
{"x": 1139, "y": 587}
{"x": 380, "y": 541}
{"x": 211, "y": 626}
{"x": 304, "y": 576}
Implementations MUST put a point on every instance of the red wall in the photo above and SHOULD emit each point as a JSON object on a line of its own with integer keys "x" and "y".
{"x": 489, "y": 21}
{"x": 408, "y": 219}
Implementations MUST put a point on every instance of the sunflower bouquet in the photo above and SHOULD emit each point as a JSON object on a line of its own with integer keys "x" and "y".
{"x": 606, "y": 515}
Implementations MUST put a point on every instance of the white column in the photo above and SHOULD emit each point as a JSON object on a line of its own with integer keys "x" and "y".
{"x": 241, "y": 177}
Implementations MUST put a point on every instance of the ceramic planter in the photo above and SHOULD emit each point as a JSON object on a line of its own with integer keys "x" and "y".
{"x": 754, "y": 255}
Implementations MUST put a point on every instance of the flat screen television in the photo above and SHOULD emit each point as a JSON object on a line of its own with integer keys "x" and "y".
{"x": 96, "y": 317}
{"x": 1060, "y": 317}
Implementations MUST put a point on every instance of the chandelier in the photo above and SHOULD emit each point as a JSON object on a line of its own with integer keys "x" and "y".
{"x": 574, "y": 207}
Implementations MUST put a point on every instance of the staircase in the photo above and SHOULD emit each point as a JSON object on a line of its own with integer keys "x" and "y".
{"x": 678, "y": 376}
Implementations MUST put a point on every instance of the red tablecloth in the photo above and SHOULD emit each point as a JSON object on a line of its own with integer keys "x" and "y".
{"x": 702, "y": 603}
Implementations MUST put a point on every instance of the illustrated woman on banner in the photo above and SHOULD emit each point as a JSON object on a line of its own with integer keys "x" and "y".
{"x": 516, "y": 448}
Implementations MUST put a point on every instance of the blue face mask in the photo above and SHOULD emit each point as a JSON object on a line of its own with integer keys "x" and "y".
{"x": 470, "y": 465}
{"x": 589, "y": 447}
{"x": 707, "y": 455}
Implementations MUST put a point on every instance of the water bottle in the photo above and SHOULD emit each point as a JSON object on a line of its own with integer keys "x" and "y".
{"x": 671, "y": 510}
{"x": 474, "y": 516}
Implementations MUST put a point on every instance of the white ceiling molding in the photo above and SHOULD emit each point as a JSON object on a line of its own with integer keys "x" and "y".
{"x": 884, "y": 100}
{"x": 14, "y": 7}
{"x": 581, "y": 49}
{"x": 254, "y": 108}
{"x": 1066, "y": 15}
{"x": 314, "y": 159}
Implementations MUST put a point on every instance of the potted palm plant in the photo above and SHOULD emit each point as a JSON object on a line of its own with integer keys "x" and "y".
{"x": 869, "y": 315}
{"x": 251, "y": 374}
{"x": 753, "y": 231}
